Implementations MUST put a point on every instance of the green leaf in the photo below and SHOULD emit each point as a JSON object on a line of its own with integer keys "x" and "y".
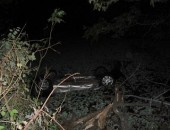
{"x": 3, "y": 113}
{"x": 2, "y": 127}
{"x": 4, "y": 83}
{"x": 56, "y": 16}
{"x": 3, "y": 108}
{"x": 15, "y": 33}
{"x": 32, "y": 57}
{"x": 14, "y": 111}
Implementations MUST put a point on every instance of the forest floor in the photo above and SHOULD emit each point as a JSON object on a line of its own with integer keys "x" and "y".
{"x": 147, "y": 75}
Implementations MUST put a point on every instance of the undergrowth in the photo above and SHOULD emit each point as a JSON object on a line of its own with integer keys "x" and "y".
{"x": 17, "y": 108}
{"x": 141, "y": 106}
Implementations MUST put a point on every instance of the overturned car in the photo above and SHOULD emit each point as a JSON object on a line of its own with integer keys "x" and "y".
{"x": 101, "y": 77}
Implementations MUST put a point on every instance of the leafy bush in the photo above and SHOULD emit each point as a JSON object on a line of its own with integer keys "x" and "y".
{"x": 16, "y": 55}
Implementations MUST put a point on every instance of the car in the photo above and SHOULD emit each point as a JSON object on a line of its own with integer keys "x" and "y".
{"x": 101, "y": 77}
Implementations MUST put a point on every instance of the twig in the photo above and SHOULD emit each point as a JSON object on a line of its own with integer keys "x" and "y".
{"x": 10, "y": 87}
{"x": 148, "y": 99}
{"x": 153, "y": 115}
{"x": 162, "y": 94}
{"x": 123, "y": 88}
{"x": 13, "y": 123}
{"x": 43, "y": 56}
{"x": 54, "y": 120}
{"x": 20, "y": 32}
{"x": 137, "y": 68}
{"x": 47, "y": 47}
{"x": 59, "y": 108}
{"x": 7, "y": 88}
{"x": 39, "y": 111}
{"x": 38, "y": 40}
{"x": 157, "y": 82}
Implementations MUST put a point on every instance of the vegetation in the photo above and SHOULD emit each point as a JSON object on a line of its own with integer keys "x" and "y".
{"x": 16, "y": 56}
{"x": 102, "y": 5}
{"x": 108, "y": 108}
{"x": 132, "y": 21}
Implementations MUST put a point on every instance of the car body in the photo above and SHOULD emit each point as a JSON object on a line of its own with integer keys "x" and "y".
{"x": 100, "y": 78}
{"x": 80, "y": 82}
{"x": 43, "y": 86}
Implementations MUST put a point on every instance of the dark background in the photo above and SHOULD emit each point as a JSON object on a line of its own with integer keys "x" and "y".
{"x": 139, "y": 39}
{"x": 36, "y": 13}
{"x": 148, "y": 37}
{"x": 79, "y": 13}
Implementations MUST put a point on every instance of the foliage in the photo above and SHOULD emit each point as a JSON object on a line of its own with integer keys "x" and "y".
{"x": 142, "y": 111}
{"x": 57, "y": 16}
{"x": 103, "y": 5}
{"x": 8, "y": 2}
{"x": 16, "y": 57}
{"x": 134, "y": 22}
{"x": 116, "y": 27}
{"x": 15, "y": 54}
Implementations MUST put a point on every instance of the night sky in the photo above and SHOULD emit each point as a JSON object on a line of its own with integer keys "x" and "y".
{"x": 36, "y": 13}
{"x": 79, "y": 13}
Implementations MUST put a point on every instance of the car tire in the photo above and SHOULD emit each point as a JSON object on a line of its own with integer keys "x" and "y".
{"x": 103, "y": 76}
{"x": 42, "y": 87}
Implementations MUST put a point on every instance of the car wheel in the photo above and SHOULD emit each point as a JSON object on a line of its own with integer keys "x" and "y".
{"x": 103, "y": 76}
{"x": 107, "y": 80}
{"x": 42, "y": 87}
